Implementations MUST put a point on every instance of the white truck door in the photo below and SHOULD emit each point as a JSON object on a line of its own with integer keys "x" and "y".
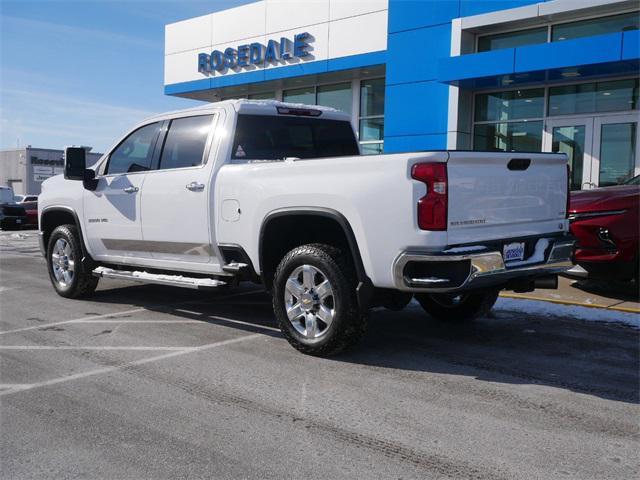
{"x": 112, "y": 210}
{"x": 177, "y": 202}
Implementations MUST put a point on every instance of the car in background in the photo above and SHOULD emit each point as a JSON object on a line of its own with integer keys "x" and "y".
{"x": 26, "y": 198}
{"x": 606, "y": 224}
{"x": 12, "y": 215}
{"x": 31, "y": 209}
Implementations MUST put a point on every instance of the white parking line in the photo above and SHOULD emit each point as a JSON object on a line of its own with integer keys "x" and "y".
{"x": 77, "y": 376}
{"x": 116, "y": 314}
{"x": 73, "y": 347}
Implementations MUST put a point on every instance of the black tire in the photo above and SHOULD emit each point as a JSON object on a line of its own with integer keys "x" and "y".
{"x": 81, "y": 283}
{"x": 348, "y": 322}
{"x": 461, "y": 308}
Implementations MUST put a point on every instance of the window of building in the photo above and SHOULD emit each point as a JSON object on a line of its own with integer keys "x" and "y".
{"x": 509, "y": 121}
{"x": 306, "y": 95}
{"x": 595, "y": 26}
{"x": 371, "y": 120}
{"x": 512, "y": 39}
{"x": 337, "y": 96}
{"x": 560, "y": 32}
{"x": 185, "y": 142}
{"x": 135, "y": 153}
{"x": 263, "y": 96}
{"x": 609, "y": 96}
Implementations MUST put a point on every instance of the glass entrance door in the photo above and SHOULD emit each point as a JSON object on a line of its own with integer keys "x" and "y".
{"x": 574, "y": 137}
{"x": 602, "y": 150}
{"x": 616, "y": 147}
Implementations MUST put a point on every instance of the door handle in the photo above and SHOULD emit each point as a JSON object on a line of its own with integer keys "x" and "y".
{"x": 195, "y": 186}
{"x": 131, "y": 189}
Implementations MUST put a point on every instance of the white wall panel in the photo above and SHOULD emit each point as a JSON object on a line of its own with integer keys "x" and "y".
{"x": 246, "y": 41}
{"x": 182, "y": 67}
{"x": 371, "y": 35}
{"x": 188, "y": 34}
{"x": 238, "y": 23}
{"x": 319, "y": 45}
{"x": 290, "y": 14}
{"x": 350, "y": 8}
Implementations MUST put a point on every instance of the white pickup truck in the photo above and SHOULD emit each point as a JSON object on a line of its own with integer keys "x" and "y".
{"x": 278, "y": 193}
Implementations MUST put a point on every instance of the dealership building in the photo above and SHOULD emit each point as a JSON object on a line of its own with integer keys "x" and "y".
{"x": 514, "y": 75}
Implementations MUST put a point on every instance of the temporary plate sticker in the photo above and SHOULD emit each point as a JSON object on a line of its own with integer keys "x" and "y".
{"x": 513, "y": 251}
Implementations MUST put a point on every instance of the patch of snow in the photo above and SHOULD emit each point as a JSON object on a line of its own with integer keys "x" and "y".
{"x": 472, "y": 248}
{"x": 208, "y": 282}
{"x": 548, "y": 309}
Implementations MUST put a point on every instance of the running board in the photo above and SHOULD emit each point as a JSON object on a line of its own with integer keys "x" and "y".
{"x": 159, "y": 279}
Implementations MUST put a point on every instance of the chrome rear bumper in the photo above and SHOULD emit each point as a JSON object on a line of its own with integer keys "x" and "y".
{"x": 485, "y": 269}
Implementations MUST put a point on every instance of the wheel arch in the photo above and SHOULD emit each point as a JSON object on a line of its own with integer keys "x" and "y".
{"x": 338, "y": 230}
{"x": 54, "y": 216}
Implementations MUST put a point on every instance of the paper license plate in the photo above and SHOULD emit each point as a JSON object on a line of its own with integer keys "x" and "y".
{"x": 513, "y": 251}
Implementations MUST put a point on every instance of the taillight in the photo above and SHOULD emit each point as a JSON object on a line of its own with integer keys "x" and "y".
{"x": 432, "y": 208}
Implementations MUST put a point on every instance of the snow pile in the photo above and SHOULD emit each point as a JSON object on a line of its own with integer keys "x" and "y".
{"x": 548, "y": 309}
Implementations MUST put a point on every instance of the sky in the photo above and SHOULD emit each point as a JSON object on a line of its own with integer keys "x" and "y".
{"x": 83, "y": 72}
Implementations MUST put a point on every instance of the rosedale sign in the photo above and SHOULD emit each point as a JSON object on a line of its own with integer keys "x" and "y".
{"x": 244, "y": 56}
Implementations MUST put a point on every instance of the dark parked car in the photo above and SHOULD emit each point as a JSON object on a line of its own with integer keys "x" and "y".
{"x": 12, "y": 216}
{"x": 606, "y": 223}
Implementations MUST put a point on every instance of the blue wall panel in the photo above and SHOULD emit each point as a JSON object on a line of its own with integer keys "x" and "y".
{"x": 410, "y": 14}
{"x": 416, "y": 108}
{"x": 631, "y": 45}
{"x": 412, "y": 143}
{"x": 476, "y": 7}
{"x": 583, "y": 51}
{"x": 412, "y": 53}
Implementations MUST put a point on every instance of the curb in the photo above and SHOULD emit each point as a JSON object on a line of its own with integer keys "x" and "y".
{"x": 568, "y": 302}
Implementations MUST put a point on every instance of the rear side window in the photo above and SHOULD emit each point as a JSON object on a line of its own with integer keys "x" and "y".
{"x": 262, "y": 137}
{"x": 134, "y": 154}
{"x": 185, "y": 142}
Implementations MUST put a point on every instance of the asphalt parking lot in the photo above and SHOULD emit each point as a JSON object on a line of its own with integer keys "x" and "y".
{"x": 155, "y": 382}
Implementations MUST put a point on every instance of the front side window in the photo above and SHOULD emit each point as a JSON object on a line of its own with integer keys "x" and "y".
{"x": 185, "y": 142}
{"x": 261, "y": 137}
{"x": 135, "y": 153}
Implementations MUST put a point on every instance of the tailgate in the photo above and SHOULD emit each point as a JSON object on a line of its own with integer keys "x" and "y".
{"x": 496, "y": 195}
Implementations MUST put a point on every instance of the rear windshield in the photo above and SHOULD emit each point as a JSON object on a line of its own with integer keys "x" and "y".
{"x": 261, "y": 137}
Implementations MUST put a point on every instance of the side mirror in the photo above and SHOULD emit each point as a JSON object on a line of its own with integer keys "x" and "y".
{"x": 75, "y": 163}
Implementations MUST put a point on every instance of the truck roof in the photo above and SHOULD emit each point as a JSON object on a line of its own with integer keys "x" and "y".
{"x": 254, "y": 107}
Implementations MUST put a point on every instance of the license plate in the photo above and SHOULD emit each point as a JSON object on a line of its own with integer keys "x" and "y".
{"x": 18, "y": 220}
{"x": 513, "y": 251}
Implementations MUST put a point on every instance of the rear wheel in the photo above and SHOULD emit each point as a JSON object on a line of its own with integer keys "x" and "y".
{"x": 70, "y": 278}
{"x": 458, "y": 307}
{"x": 314, "y": 299}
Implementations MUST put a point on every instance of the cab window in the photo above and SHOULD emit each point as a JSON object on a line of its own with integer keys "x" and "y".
{"x": 185, "y": 142}
{"x": 135, "y": 153}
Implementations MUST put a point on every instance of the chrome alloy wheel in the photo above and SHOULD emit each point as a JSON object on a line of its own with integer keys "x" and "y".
{"x": 309, "y": 302}
{"x": 62, "y": 262}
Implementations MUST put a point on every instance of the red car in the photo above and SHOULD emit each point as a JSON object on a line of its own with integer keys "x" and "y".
{"x": 606, "y": 223}
{"x": 31, "y": 209}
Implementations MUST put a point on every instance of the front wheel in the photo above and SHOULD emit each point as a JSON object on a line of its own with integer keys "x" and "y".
{"x": 70, "y": 278}
{"x": 314, "y": 299}
{"x": 458, "y": 307}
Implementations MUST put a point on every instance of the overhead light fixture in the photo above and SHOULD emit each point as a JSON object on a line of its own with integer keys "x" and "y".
{"x": 606, "y": 94}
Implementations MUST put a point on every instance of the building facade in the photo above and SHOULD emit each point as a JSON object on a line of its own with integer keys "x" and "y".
{"x": 25, "y": 169}
{"x": 518, "y": 75}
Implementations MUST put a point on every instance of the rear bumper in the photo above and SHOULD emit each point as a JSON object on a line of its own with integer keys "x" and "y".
{"x": 430, "y": 272}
